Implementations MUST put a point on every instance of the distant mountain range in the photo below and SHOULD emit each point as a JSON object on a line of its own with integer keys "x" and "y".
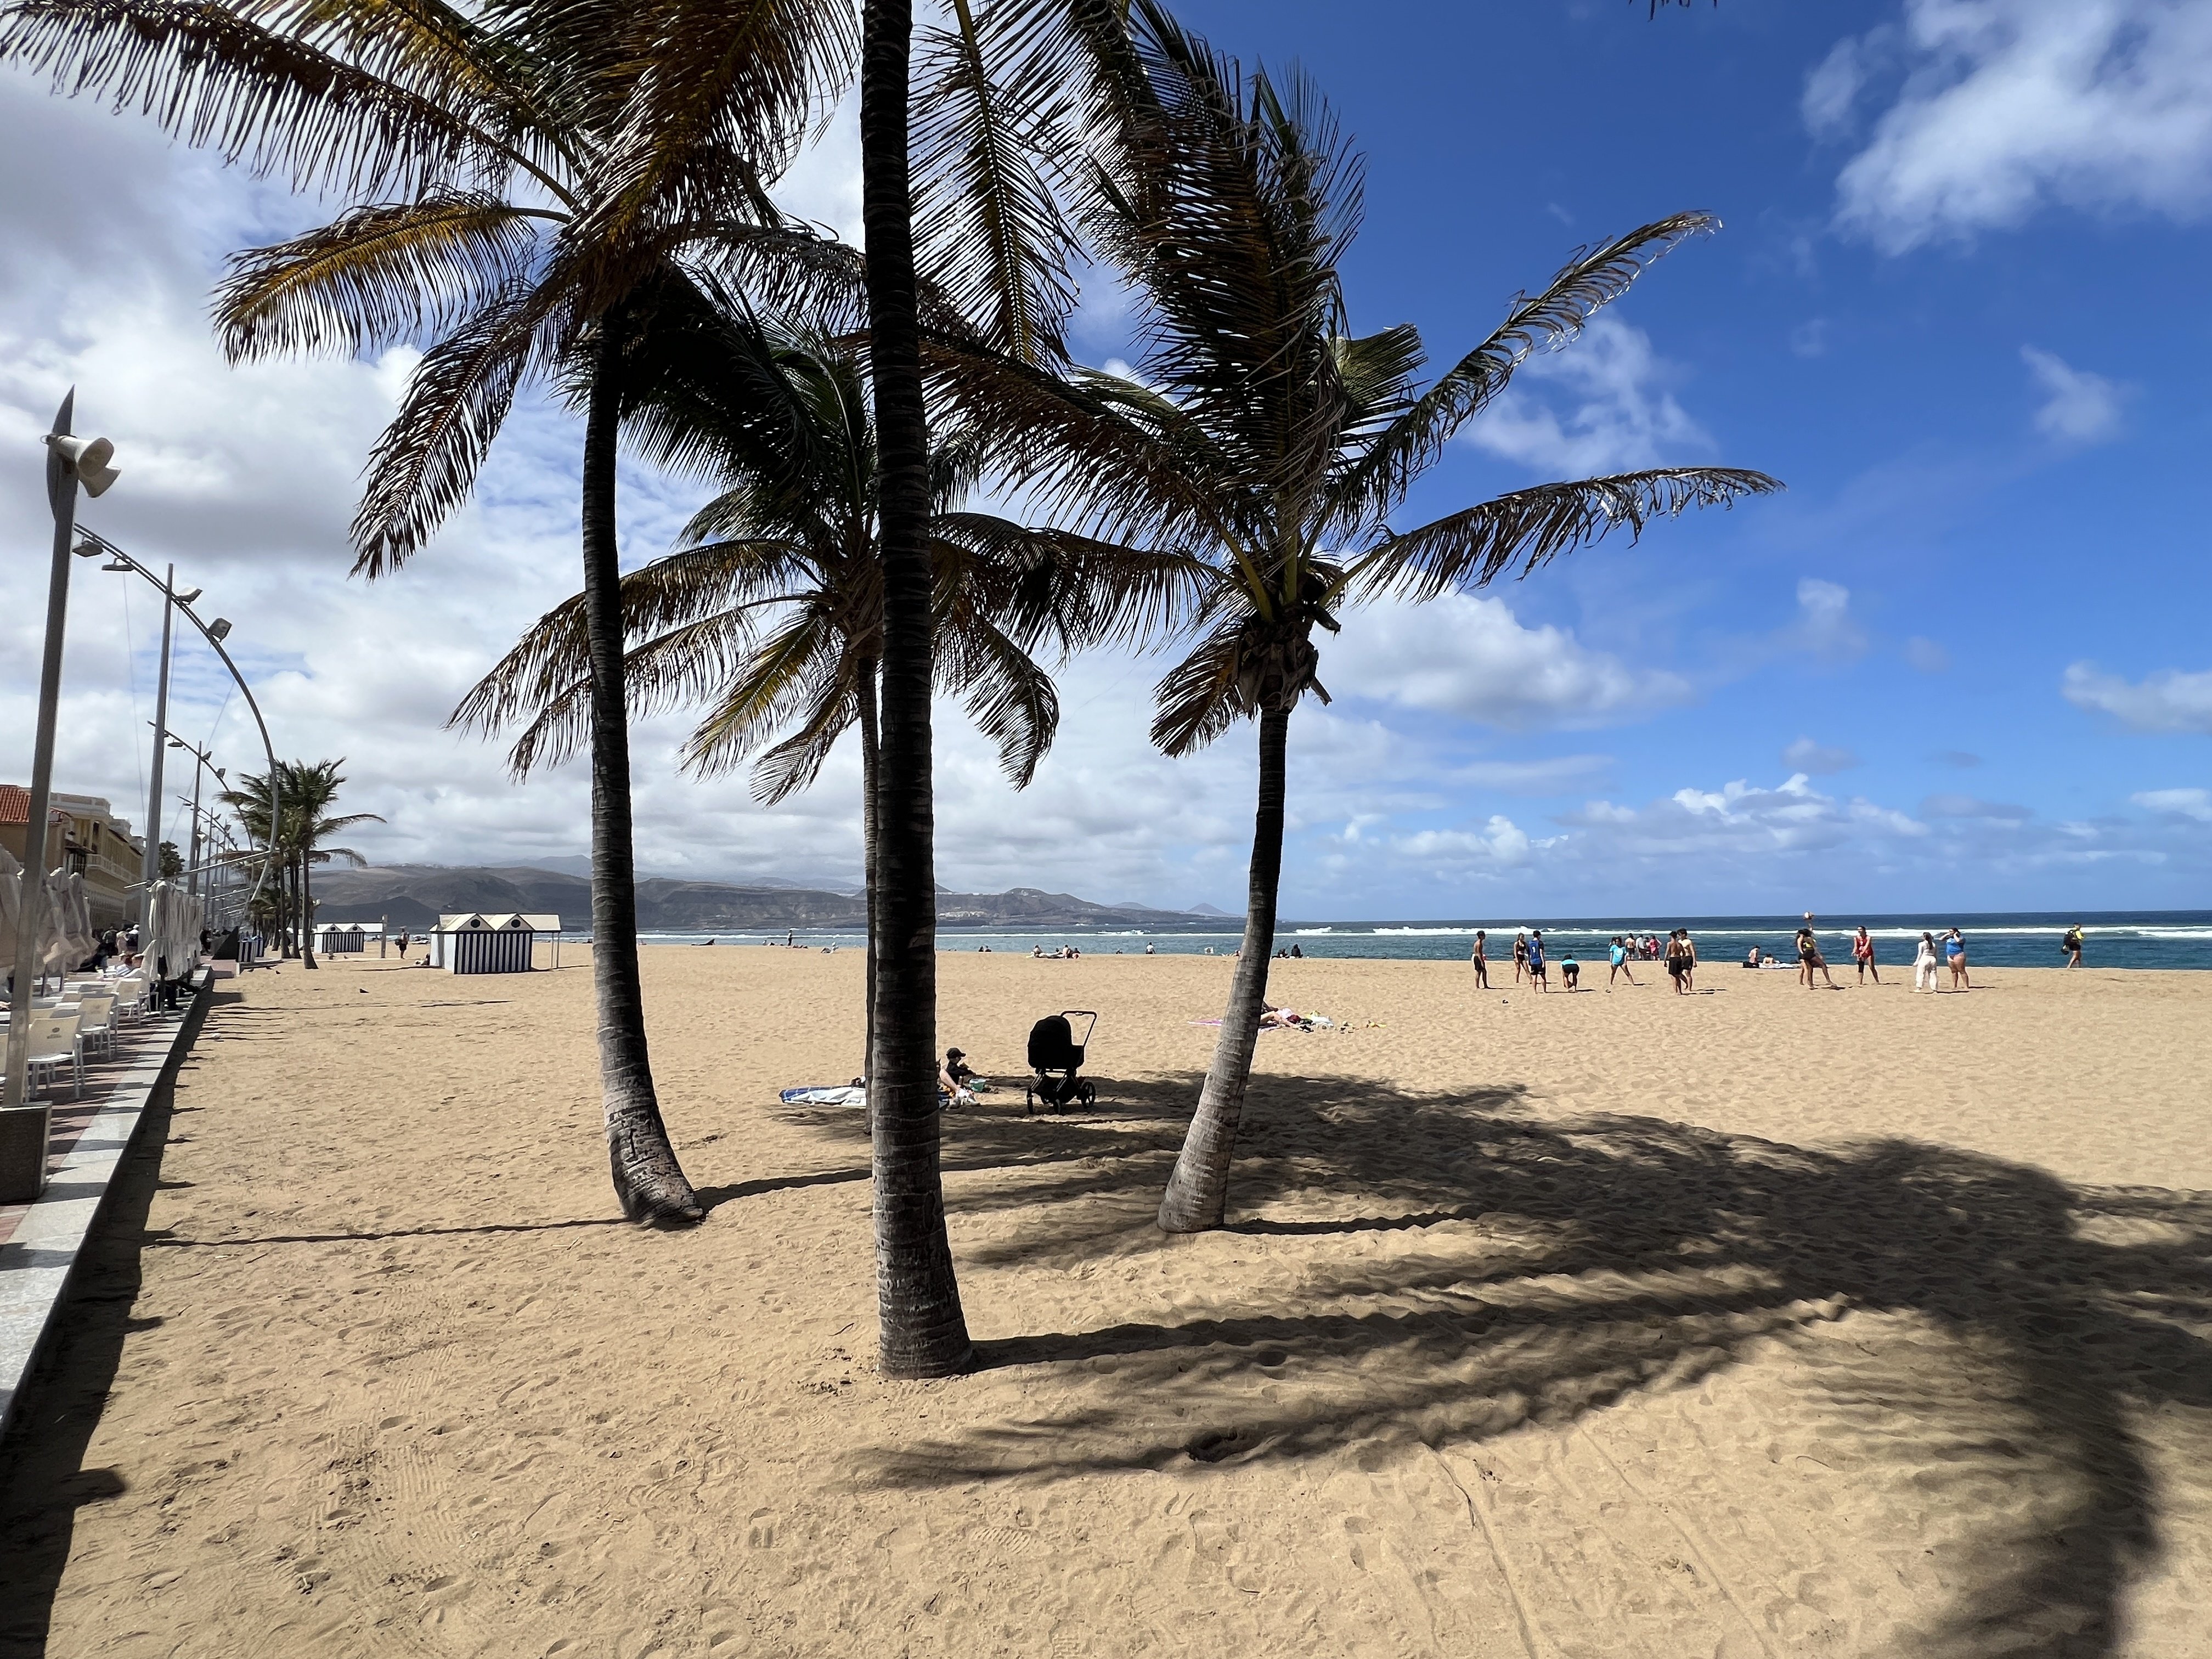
{"x": 415, "y": 896}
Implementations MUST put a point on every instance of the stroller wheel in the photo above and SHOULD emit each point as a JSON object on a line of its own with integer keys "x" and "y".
{"x": 1087, "y": 1095}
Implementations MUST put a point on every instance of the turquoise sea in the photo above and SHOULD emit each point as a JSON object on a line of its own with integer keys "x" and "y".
{"x": 2114, "y": 938}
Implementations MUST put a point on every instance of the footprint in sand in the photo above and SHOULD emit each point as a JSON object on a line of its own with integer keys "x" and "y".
{"x": 760, "y": 1533}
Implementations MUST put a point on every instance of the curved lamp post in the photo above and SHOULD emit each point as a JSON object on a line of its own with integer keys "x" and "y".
{"x": 71, "y": 463}
{"x": 91, "y": 544}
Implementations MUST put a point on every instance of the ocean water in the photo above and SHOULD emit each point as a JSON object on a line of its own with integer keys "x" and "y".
{"x": 2124, "y": 939}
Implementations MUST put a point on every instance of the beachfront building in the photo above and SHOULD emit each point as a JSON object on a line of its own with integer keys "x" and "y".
{"x": 82, "y": 834}
{"x": 477, "y": 944}
{"x": 346, "y": 939}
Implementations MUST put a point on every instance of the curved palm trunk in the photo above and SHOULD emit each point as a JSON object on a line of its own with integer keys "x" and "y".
{"x": 868, "y": 750}
{"x": 923, "y": 1331}
{"x": 1198, "y": 1191}
{"x": 648, "y": 1181}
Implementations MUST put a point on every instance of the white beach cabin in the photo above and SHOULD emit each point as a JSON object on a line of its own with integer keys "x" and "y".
{"x": 491, "y": 944}
{"x": 346, "y": 939}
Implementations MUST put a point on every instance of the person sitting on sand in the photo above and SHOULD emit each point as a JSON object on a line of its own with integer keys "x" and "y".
{"x": 953, "y": 1077}
{"x": 1037, "y": 951}
{"x": 1539, "y": 975}
{"x": 1149, "y": 950}
{"x": 1571, "y": 971}
{"x": 1863, "y": 954}
{"x": 1297, "y": 955}
{"x": 1750, "y": 958}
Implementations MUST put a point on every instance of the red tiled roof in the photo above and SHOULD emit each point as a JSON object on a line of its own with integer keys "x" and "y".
{"x": 15, "y": 804}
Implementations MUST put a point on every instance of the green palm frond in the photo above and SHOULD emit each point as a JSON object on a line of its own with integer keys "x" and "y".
{"x": 1467, "y": 549}
{"x": 1592, "y": 279}
{"x": 1009, "y": 699}
{"x": 374, "y": 275}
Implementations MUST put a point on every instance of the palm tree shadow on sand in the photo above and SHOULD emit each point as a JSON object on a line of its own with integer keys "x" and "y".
{"x": 1578, "y": 1261}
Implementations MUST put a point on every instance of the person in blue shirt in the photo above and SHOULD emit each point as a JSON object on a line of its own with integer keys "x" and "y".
{"x": 1537, "y": 973}
{"x": 1571, "y": 971}
{"x": 1617, "y": 955}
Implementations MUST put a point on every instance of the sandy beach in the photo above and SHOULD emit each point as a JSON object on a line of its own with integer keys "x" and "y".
{"x": 1757, "y": 1322}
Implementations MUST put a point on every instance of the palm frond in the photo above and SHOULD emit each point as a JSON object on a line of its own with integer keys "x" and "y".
{"x": 1592, "y": 279}
{"x": 987, "y": 224}
{"x": 425, "y": 463}
{"x": 1202, "y": 696}
{"x": 1011, "y": 700}
{"x": 386, "y": 272}
{"x": 1467, "y": 549}
{"x": 259, "y": 92}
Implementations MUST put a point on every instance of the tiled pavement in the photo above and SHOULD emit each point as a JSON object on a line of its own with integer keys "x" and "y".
{"x": 39, "y": 1242}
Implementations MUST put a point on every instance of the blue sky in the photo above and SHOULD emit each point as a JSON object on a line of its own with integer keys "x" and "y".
{"x": 1963, "y": 663}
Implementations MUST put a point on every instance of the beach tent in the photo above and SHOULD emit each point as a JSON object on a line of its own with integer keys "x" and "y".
{"x": 172, "y": 937}
{"x": 479, "y": 943}
{"x": 345, "y": 939}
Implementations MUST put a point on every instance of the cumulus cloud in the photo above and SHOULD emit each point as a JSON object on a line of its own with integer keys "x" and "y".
{"x": 1600, "y": 406}
{"x": 2165, "y": 701}
{"x": 2194, "y": 804}
{"x": 1825, "y": 625}
{"x": 1817, "y": 759}
{"x": 2005, "y": 106}
{"x": 1469, "y": 657}
{"x": 2078, "y": 407}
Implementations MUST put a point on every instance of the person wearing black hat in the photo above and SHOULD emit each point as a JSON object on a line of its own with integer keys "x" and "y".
{"x": 952, "y": 1077}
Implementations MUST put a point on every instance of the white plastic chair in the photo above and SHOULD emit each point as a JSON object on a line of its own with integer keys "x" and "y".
{"x": 54, "y": 1044}
{"x": 96, "y": 1020}
{"x": 131, "y": 997}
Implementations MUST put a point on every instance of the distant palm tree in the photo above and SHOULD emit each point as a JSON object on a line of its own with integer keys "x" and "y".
{"x": 553, "y": 160}
{"x": 772, "y": 614}
{"x": 295, "y": 843}
{"x": 1260, "y": 435}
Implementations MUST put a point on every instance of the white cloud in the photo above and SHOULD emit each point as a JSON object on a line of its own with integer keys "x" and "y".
{"x": 1600, "y": 406}
{"x": 1499, "y": 843}
{"x": 1825, "y": 624}
{"x": 1926, "y": 655}
{"x": 2181, "y": 802}
{"x": 1818, "y": 759}
{"x": 2007, "y": 105}
{"x": 1469, "y": 657}
{"x": 2079, "y": 407}
{"x": 2165, "y": 701}
{"x": 1558, "y": 776}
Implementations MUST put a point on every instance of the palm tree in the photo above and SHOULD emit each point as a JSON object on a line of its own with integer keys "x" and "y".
{"x": 772, "y": 612}
{"x": 296, "y": 840}
{"x": 1261, "y": 436}
{"x": 551, "y": 159}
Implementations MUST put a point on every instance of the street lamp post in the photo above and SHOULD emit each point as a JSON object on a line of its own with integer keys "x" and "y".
{"x": 71, "y": 462}
{"x": 206, "y": 764}
{"x": 91, "y": 544}
{"x": 149, "y": 870}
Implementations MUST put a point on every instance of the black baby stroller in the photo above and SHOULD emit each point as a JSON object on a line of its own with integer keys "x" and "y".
{"x": 1056, "y": 1057}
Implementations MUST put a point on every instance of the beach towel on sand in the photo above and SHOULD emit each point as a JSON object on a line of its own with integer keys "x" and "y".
{"x": 825, "y": 1094}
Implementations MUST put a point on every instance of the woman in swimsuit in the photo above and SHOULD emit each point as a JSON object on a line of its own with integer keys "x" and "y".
{"x": 1863, "y": 953}
{"x": 1520, "y": 955}
{"x": 1954, "y": 953}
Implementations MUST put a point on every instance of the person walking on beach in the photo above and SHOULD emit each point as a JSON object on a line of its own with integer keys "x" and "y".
{"x": 1617, "y": 956}
{"x": 1538, "y": 975}
{"x": 1954, "y": 953}
{"x": 1678, "y": 962}
{"x": 1480, "y": 958}
{"x": 1520, "y": 955}
{"x": 2071, "y": 943}
{"x": 1924, "y": 965}
{"x": 1863, "y": 954}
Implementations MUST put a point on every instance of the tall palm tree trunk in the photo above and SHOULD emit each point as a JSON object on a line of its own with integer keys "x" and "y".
{"x": 648, "y": 1181}
{"x": 306, "y": 916}
{"x": 869, "y": 743}
{"x": 923, "y": 1332}
{"x": 1198, "y": 1193}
